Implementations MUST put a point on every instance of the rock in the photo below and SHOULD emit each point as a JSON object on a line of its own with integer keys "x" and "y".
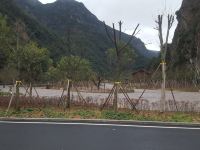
{"x": 184, "y": 46}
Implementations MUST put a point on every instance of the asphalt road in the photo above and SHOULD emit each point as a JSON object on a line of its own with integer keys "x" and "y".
{"x": 61, "y": 136}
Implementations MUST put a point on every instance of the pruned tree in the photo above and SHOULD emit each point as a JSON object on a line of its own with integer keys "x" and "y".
{"x": 119, "y": 52}
{"x": 120, "y": 47}
{"x": 53, "y": 74}
{"x": 34, "y": 62}
{"x": 73, "y": 68}
{"x": 127, "y": 58}
{"x": 163, "y": 50}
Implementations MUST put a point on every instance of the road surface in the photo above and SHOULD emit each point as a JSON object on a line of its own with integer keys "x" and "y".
{"x": 66, "y": 136}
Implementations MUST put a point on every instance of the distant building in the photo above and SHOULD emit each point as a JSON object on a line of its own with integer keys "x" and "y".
{"x": 141, "y": 75}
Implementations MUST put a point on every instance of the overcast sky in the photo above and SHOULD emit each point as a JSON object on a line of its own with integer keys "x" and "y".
{"x": 132, "y": 12}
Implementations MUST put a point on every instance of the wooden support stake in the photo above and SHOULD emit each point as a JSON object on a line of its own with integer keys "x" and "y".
{"x": 36, "y": 92}
{"x": 69, "y": 85}
{"x": 128, "y": 98}
{"x": 174, "y": 99}
{"x": 11, "y": 99}
{"x": 115, "y": 101}
{"x": 109, "y": 97}
{"x": 140, "y": 97}
{"x": 80, "y": 96}
{"x": 17, "y": 96}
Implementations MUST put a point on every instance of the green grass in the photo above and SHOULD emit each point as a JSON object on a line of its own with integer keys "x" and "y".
{"x": 178, "y": 117}
{"x": 117, "y": 115}
{"x": 79, "y": 113}
{"x": 84, "y": 114}
{"x": 5, "y": 94}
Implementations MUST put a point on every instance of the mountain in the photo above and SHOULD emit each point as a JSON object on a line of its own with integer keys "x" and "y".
{"x": 35, "y": 30}
{"x": 186, "y": 43}
{"x": 67, "y": 26}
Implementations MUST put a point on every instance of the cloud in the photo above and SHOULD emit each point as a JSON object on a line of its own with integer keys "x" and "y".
{"x": 47, "y": 1}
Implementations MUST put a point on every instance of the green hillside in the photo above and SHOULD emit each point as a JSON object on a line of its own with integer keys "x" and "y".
{"x": 68, "y": 27}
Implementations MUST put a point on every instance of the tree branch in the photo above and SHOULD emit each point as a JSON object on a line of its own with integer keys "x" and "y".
{"x": 115, "y": 40}
{"x": 120, "y": 30}
{"x": 107, "y": 32}
{"x": 130, "y": 39}
{"x": 160, "y": 33}
{"x": 170, "y": 24}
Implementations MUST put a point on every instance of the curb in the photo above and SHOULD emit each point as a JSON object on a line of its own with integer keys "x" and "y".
{"x": 104, "y": 121}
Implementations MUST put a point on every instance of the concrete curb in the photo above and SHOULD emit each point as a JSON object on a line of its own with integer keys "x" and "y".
{"x": 104, "y": 121}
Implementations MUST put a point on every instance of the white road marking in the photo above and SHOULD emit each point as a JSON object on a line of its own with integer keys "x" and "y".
{"x": 103, "y": 124}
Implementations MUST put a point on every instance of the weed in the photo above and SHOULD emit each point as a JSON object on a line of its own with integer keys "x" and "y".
{"x": 84, "y": 114}
{"x": 179, "y": 117}
{"x": 117, "y": 115}
{"x": 50, "y": 113}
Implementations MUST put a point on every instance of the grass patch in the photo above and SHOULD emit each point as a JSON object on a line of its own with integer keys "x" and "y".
{"x": 117, "y": 115}
{"x": 84, "y": 114}
{"x": 50, "y": 113}
{"x": 79, "y": 113}
{"x": 179, "y": 117}
{"x": 5, "y": 94}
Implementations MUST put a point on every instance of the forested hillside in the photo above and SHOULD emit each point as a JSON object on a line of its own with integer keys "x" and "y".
{"x": 66, "y": 28}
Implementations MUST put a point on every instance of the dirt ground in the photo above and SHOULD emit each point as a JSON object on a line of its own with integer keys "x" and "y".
{"x": 150, "y": 95}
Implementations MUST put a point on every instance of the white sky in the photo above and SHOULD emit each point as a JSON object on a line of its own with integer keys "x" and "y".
{"x": 132, "y": 12}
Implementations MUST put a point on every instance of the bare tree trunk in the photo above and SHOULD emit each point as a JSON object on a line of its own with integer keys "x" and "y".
{"x": 97, "y": 83}
{"x": 31, "y": 90}
{"x": 67, "y": 101}
{"x": 69, "y": 95}
{"x": 104, "y": 87}
{"x": 163, "y": 85}
{"x": 17, "y": 97}
{"x": 163, "y": 49}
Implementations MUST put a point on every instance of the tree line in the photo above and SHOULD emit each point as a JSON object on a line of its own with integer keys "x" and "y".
{"x": 23, "y": 59}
